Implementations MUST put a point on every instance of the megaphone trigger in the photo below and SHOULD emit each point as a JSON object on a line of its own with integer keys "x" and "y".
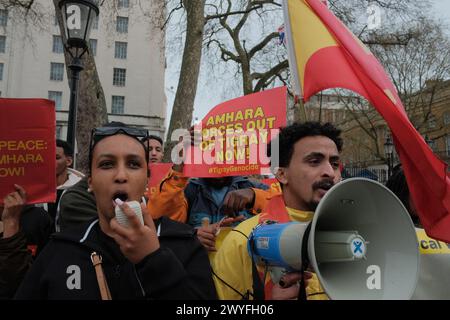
{"x": 276, "y": 274}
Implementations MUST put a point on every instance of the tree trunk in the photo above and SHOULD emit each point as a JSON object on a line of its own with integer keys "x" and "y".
{"x": 247, "y": 83}
{"x": 92, "y": 110}
{"x": 183, "y": 105}
{"x": 91, "y": 106}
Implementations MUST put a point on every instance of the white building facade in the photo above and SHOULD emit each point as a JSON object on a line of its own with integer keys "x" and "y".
{"x": 128, "y": 48}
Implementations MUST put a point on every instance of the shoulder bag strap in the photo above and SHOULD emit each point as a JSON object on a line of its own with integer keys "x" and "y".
{"x": 102, "y": 284}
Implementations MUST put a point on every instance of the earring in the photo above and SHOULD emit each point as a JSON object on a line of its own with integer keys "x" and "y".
{"x": 89, "y": 190}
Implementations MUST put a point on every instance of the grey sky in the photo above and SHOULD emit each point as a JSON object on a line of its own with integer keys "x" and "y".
{"x": 208, "y": 94}
{"x": 442, "y": 10}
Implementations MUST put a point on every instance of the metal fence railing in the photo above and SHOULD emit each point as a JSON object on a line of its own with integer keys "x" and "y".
{"x": 380, "y": 175}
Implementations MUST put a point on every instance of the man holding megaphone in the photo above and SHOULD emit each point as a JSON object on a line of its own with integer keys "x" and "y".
{"x": 355, "y": 235}
{"x": 308, "y": 168}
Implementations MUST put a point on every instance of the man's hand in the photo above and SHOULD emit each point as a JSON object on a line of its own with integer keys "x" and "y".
{"x": 288, "y": 287}
{"x": 207, "y": 236}
{"x": 193, "y": 137}
{"x": 136, "y": 241}
{"x": 238, "y": 200}
{"x": 13, "y": 203}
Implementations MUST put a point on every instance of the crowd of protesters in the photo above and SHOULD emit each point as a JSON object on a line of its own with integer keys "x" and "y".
{"x": 76, "y": 249}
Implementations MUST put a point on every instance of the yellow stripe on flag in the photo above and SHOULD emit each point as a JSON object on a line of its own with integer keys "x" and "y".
{"x": 308, "y": 34}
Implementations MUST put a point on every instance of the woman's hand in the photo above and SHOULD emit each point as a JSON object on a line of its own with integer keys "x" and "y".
{"x": 135, "y": 241}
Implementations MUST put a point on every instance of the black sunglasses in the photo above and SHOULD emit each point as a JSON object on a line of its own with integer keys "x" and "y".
{"x": 100, "y": 133}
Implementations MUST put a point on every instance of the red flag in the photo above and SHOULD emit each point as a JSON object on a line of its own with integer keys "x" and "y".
{"x": 324, "y": 54}
{"x": 325, "y": 2}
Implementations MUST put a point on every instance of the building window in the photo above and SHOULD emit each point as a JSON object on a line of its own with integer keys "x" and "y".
{"x": 95, "y": 23}
{"x": 3, "y": 17}
{"x": 122, "y": 25}
{"x": 123, "y": 4}
{"x": 58, "y": 44}
{"x": 57, "y": 97}
{"x": 118, "y": 104}
{"x": 447, "y": 118}
{"x": 58, "y": 132}
{"x": 432, "y": 122}
{"x": 119, "y": 77}
{"x": 1, "y": 71}
{"x": 56, "y": 71}
{"x": 120, "y": 51}
{"x": 93, "y": 46}
{"x": 2, "y": 44}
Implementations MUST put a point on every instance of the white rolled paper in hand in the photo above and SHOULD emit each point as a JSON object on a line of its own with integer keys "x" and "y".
{"x": 121, "y": 216}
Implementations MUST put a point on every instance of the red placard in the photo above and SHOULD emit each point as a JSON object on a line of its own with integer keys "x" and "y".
{"x": 158, "y": 171}
{"x": 235, "y": 135}
{"x": 27, "y": 148}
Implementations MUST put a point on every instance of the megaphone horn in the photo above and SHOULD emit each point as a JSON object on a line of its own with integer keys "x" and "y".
{"x": 362, "y": 243}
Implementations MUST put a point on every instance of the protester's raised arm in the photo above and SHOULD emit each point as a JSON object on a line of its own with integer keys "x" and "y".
{"x": 13, "y": 205}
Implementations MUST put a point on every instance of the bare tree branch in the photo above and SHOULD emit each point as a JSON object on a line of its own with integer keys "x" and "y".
{"x": 180, "y": 6}
{"x": 265, "y": 77}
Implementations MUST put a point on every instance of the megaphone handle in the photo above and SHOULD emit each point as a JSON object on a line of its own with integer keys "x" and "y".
{"x": 302, "y": 289}
{"x": 258, "y": 283}
{"x": 305, "y": 263}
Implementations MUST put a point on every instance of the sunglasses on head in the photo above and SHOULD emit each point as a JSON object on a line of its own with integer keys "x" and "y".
{"x": 110, "y": 131}
{"x": 100, "y": 133}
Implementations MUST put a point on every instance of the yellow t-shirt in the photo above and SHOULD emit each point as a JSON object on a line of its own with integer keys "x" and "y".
{"x": 300, "y": 216}
{"x": 233, "y": 265}
{"x": 314, "y": 290}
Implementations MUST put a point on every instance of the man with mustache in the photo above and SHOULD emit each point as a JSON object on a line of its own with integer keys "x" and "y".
{"x": 308, "y": 168}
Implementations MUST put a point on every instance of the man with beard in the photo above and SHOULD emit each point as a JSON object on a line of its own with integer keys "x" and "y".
{"x": 308, "y": 168}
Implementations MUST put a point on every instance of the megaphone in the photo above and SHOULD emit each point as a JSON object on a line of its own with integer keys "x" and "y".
{"x": 362, "y": 243}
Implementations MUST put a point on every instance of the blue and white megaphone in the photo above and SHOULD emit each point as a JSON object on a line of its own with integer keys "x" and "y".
{"x": 361, "y": 244}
